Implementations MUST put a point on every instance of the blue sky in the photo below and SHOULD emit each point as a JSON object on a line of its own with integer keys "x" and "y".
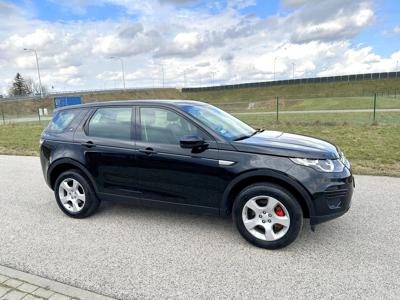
{"x": 378, "y": 35}
{"x": 53, "y": 11}
{"x": 229, "y": 40}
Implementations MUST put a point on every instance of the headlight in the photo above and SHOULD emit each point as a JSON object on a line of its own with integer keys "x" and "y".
{"x": 321, "y": 165}
{"x": 344, "y": 160}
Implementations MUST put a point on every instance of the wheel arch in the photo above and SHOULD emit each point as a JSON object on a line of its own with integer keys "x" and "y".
{"x": 64, "y": 164}
{"x": 244, "y": 180}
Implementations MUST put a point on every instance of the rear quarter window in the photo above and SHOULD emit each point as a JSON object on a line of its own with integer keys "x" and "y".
{"x": 62, "y": 120}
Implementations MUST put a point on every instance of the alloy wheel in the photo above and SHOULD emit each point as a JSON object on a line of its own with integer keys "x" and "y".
{"x": 266, "y": 218}
{"x": 72, "y": 195}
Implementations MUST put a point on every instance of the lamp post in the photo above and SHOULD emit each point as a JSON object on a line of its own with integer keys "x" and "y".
{"x": 213, "y": 77}
{"x": 38, "y": 69}
{"x": 293, "y": 64}
{"x": 122, "y": 67}
{"x": 184, "y": 78}
{"x": 276, "y": 57}
{"x": 163, "y": 75}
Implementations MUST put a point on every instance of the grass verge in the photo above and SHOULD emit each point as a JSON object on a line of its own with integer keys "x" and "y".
{"x": 20, "y": 139}
{"x": 372, "y": 149}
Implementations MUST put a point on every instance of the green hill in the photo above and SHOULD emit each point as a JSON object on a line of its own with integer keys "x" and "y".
{"x": 335, "y": 95}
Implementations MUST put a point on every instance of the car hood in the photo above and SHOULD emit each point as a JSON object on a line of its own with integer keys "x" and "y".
{"x": 286, "y": 144}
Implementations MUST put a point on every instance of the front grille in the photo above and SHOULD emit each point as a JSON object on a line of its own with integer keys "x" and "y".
{"x": 335, "y": 194}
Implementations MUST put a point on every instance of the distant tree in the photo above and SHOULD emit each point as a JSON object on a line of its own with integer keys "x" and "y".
{"x": 19, "y": 87}
{"x": 34, "y": 88}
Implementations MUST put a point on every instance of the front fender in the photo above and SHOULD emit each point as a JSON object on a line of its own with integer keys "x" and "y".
{"x": 259, "y": 175}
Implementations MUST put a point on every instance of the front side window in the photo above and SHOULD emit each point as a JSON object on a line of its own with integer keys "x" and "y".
{"x": 111, "y": 122}
{"x": 163, "y": 126}
{"x": 62, "y": 119}
{"x": 224, "y": 124}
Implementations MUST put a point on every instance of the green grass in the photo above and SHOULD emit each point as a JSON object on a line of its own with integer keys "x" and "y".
{"x": 359, "y": 118}
{"x": 341, "y": 95}
{"x": 328, "y": 103}
{"x": 300, "y": 91}
{"x": 340, "y": 103}
{"x": 372, "y": 149}
{"x": 20, "y": 139}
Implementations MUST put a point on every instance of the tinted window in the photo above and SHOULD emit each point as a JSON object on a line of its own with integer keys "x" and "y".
{"x": 221, "y": 122}
{"x": 111, "y": 122}
{"x": 165, "y": 127}
{"x": 62, "y": 119}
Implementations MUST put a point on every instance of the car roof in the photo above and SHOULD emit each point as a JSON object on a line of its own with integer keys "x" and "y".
{"x": 164, "y": 102}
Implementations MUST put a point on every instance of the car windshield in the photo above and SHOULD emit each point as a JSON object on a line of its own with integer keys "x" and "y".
{"x": 224, "y": 124}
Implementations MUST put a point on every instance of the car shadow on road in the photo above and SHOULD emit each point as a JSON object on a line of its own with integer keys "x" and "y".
{"x": 324, "y": 235}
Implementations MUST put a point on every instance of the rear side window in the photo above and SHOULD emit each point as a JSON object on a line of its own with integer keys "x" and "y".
{"x": 62, "y": 120}
{"x": 111, "y": 122}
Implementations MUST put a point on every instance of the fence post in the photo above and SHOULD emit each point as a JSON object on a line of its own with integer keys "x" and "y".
{"x": 37, "y": 104}
{"x": 374, "y": 107}
{"x": 277, "y": 108}
{"x": 2, "y": 114}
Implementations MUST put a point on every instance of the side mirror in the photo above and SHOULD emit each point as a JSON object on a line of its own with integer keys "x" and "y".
{"x": 190, "y": 142}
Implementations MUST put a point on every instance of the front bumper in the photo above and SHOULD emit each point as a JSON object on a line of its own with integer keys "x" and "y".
{"x": 334, "y": 201}
{"x": 330, "y": 193}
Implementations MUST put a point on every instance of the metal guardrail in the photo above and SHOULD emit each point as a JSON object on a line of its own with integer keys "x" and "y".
{"x": 78, "y": 92}
{"x": 340, "y": 78}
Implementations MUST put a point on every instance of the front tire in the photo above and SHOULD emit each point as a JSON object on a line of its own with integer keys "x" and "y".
{"x": 75, "y": 195}
{"x": 267, "y": 215}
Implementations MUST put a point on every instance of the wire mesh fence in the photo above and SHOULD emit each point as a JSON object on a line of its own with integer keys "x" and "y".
{"x": 312, "y": 80}
{"x": 25, "y": 111}
{"x": 374, "y": 108}
{"x": 328, "y": 110}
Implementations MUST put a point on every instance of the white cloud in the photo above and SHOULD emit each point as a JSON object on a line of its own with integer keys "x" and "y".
{"x": 107, "y": 75}
{"x": 239, "y": 4}
{"x": 121, "y": 45}
{"x": 292, "y": 3}
{"x": 396, "y": 29}
{"x": 226, "y": 45}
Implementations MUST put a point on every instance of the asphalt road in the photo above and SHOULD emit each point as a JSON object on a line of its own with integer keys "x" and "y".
{"x": 23, "y": 120}
{"x": 132, "y": 252}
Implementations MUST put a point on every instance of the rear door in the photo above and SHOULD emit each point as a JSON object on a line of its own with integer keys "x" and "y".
{"x": 107, "y": 147}
{"x": 165, "y": 171}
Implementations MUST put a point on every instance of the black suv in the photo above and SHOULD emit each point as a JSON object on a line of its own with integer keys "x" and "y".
{"x": 192, "y": 155}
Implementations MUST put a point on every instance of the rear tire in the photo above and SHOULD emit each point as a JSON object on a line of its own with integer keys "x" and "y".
{"x": 75, "y": 195}
{"x": 267, "y": 215}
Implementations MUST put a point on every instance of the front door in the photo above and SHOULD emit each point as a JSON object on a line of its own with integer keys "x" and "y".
{"x": 167, "y": 172}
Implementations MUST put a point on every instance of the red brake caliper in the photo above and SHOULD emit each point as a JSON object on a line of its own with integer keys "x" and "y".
{"x": 280, "y": 213}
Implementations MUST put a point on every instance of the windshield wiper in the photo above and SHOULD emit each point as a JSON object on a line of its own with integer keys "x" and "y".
{"x": 258, "y": 130}
{"x": 243, "y": 137}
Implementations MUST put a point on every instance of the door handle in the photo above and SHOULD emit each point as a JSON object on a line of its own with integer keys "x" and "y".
{"x": 88, "y": 144}
{"x": 147, "y": 151}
